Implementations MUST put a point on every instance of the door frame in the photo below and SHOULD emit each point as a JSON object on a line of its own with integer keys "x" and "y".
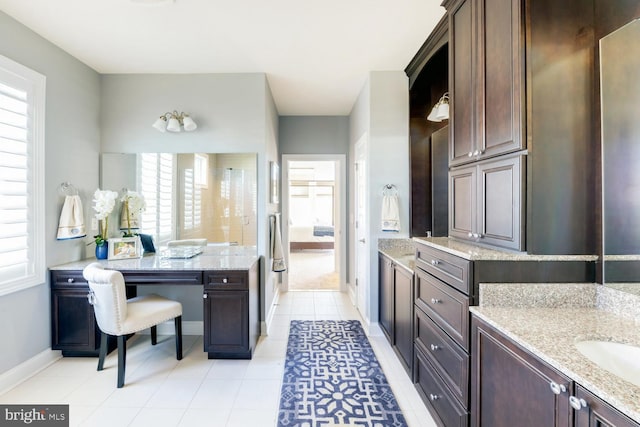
{"x": 361, "y": 287}
{"x": 340, "y": 203}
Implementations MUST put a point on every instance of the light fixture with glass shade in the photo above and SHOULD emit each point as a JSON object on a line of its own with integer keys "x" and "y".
{"x": 440, "y": 111}
{"x": 174, "y": 122}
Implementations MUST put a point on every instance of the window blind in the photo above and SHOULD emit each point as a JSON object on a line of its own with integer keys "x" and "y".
{"x": 156, "y": 182}
{"x": 21, "y": 177}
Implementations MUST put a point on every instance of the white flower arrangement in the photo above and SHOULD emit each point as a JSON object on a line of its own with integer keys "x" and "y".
{"x": 103, "y": 203}
{"x": 132, "y": 204}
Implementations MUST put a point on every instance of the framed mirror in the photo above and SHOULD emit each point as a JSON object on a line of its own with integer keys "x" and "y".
{"x": 620, "y": 126}
{"x": 188, "y": 195}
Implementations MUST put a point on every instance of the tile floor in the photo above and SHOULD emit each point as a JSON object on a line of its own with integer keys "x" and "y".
{"x": 160, "y": 391}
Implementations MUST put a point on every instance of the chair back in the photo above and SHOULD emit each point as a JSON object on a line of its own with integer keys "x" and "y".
{"x": 108, "y": 297}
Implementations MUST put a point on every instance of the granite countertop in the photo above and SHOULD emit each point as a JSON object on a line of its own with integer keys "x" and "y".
{"x": 550, "y": 334}
{"x": 402, "y": 251}
{"x": 476, "y": 252}
{"x": 213, "y": 258}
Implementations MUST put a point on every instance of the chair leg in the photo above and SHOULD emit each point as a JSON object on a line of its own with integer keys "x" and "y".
{"x": 104, "y": 342}
{"x": 154, "y": 335}
{"x": 178, "y": 323}
{"x": 122, "y": 357}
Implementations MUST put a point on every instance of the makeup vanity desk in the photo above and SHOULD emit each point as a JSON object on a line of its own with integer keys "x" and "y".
{"x": 229, "y": 276}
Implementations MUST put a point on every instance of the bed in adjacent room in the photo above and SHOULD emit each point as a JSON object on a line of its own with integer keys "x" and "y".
{"x": 311, "y": 237}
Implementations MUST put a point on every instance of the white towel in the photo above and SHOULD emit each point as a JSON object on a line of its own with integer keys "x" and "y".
{"x": 71, "y": 225}
{"x": 390, "y": 213}
{"x": 277, "y": 255}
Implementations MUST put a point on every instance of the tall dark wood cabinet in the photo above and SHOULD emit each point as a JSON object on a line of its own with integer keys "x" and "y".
{"x": 509, "y": 60}
{"x": 594, "y": 412}
{"x": 385, "y": 300}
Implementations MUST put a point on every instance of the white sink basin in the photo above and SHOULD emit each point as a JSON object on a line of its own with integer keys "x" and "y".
{"x": 622, "y": 360}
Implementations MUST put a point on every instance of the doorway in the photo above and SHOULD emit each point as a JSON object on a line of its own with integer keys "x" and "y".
{"x": 313, "y": 216}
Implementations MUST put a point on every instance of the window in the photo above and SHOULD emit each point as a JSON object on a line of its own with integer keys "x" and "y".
{"x": 22, "y": 93}
{"x": 156, "y": 186}
{"x": 201, "y": 170}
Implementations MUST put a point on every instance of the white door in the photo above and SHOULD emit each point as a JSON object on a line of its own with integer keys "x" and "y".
{"x": 362, "y": 243}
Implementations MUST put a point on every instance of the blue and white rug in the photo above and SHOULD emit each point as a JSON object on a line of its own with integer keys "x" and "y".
{"x": 332, "y": 378}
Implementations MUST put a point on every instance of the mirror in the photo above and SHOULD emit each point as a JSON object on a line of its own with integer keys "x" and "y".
{"x": 620, "y": 101}
{"x": 188, "y": 195}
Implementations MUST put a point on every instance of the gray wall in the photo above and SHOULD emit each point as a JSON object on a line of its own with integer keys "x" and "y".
{"x": 314, "y": 135}
{"x": 72, "y": 146}
{"x": 381, "y": 113}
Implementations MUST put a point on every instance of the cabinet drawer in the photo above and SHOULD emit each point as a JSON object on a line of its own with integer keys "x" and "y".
{"x": 158, "y": 277}
{"x": 236, "y": 280}
{"x": 436, "y": 395}
{"x": 451, "y": 362}
{"x": 447, "y": 307}
{"x": 449, "y": 268}
{"x": 67, "y": 278}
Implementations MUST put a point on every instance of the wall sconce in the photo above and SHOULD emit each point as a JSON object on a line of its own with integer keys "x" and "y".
{"x": 440, "y": 111}
{"x": 173, "y": 121}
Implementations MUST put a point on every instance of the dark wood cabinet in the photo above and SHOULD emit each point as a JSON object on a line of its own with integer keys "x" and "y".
{"x": 486, "y": 202}
{"x": 510, "y": 387}
{"x": 230, "y": 309}
{"x": 230, "y": 331}
{"x": 385, "y": 301}
{"x": 395, "y": 310}
{"x": 403, "y": 309}
{"x": 594, "y": 412}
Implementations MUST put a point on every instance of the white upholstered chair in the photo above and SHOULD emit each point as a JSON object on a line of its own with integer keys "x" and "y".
{"x": 120, "y": 317}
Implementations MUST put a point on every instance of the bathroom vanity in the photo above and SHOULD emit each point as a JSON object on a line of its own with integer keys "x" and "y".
{"x": 229, "y": 278}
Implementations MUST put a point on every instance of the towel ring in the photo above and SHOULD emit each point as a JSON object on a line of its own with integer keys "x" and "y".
{"x": 67, "y": 189}
{"x": 389, "y": 190}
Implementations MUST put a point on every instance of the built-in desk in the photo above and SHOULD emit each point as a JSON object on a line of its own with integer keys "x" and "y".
{"x": 229, "y": 277}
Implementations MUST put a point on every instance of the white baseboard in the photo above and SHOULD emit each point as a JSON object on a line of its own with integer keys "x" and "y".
{"x": 192, "y": 327}
{"x": 27, "y": 369}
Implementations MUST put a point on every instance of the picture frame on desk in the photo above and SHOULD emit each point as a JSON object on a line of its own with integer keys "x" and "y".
{"x": 125, "y": 248}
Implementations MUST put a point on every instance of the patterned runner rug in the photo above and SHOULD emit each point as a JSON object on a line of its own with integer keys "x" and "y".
{"x": 332, "y": 378}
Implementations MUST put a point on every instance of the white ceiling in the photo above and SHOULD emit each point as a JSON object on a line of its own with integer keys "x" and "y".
{"x": 316, "y": 54}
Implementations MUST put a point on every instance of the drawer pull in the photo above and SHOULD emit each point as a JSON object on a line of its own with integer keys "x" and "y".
{"x": 434, "y": 347}
{"x": 433, "y": 397}
{"x": 70, "y": 280}
{"x": 225, "y": 280}
{"x": 204, "y": 296}
{"x": 557, "y": 388}
{"x": 435, "y": 262}
{"x": 435, "y": 301}
{"x": 576, "y": 403}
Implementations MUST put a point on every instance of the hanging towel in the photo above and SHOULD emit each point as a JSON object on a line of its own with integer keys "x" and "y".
{"x": 277, "y": 256}
{"x": 71, "y": 225}
{"x": 390, "y": 213}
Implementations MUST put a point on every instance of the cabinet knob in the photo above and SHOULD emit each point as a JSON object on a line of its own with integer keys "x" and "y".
{"x": 434, "y": 397}
{"x": 477, "y": 235}
{"x": 470, "y": 153}
{"x": 70, "y": 280}
{"x": 576, "y": 403}
{"x": 475, "y": 153}
{"x": 204, "y": 296}
{"x": 225, "y": 280}
{"x": 435, "y": 301}
{"x": 435, "y": 262}
{"x": 470, "y": 234}
{"x": 557, "y": 388}
{"x": 434, "y": 347}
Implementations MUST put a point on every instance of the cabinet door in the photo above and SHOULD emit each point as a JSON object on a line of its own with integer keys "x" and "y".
{"x": 386, "y": 297}
{"x": 500, "y": 212}
{"x": 510, "y": 387}
{"x": 403, "y": 308}
{"x": 226, "y": 329}
{"x": 461, "y": 82}
{"x": 462, "y": 202}
{"x": 500, "y": 77}
{"x": 597, "y": 413}
{"x": 73, "y": 325}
